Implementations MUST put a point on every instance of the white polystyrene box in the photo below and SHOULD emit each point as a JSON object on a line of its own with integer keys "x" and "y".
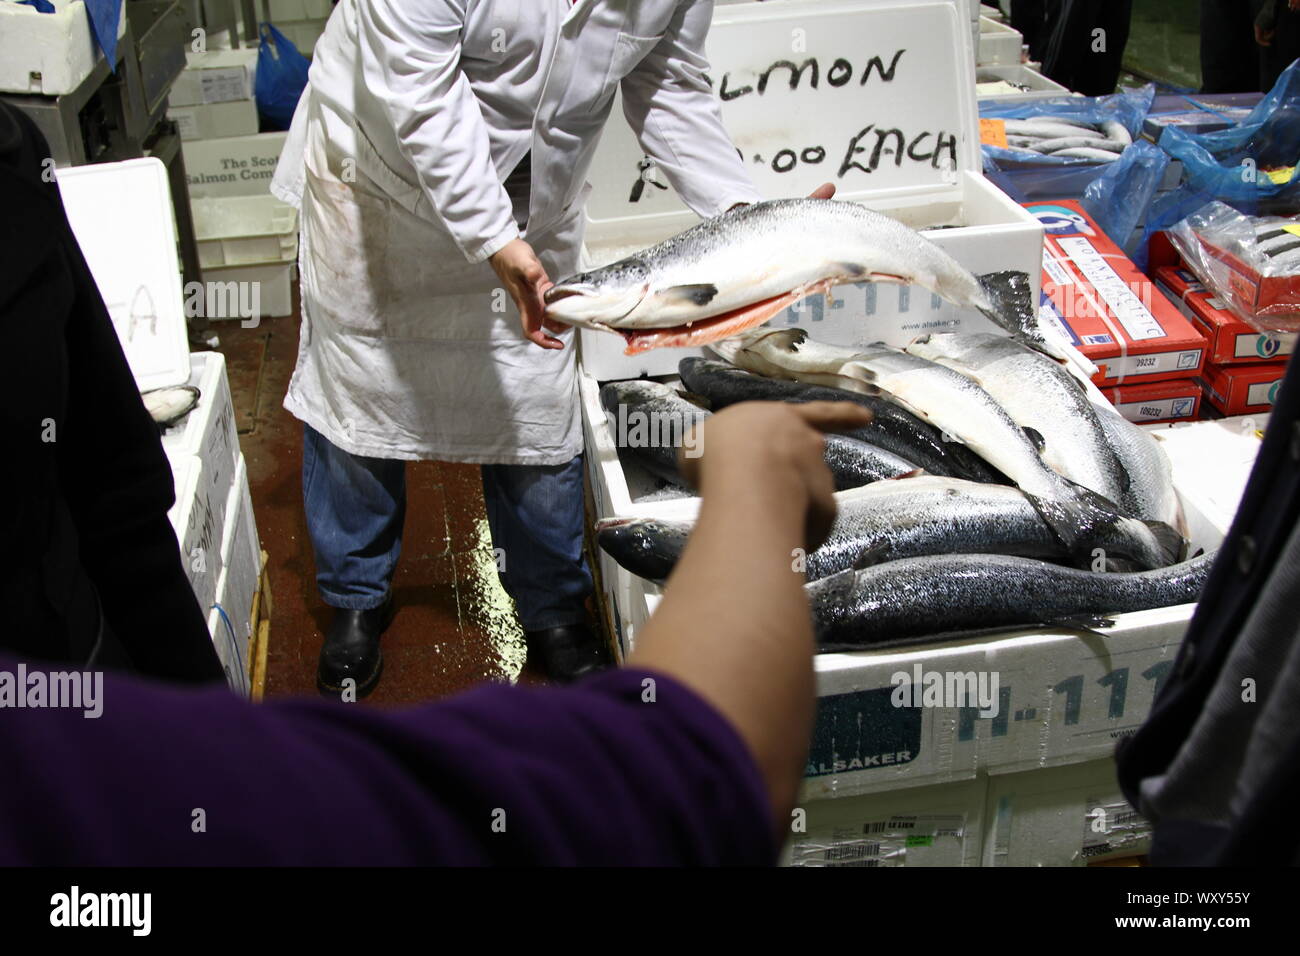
{"x": 234, "y": 166}
{"x": 240, "y": 558}
{"x": 215, "y": 120}
{"x": 198, "y": 531}
{"x": 1060, "y": 816}
{"x": 215, "y": 76}
{"x": 1040, "y": 87}
{"x": 227, "y": 646}
{"x": 933, "y": 180}
{"x": 924, "y": 826}
{"x": 122, "y": 217}
{"x": 209, "y": 431}
{"x": 999, "y": 44}
{"x": 1063, "y": 704}
{"x": 48, "y": 54}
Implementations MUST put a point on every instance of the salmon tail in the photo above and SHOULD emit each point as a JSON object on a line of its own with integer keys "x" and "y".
{"x": 1011, "y": 306}
{"x": 1095, "y": 532}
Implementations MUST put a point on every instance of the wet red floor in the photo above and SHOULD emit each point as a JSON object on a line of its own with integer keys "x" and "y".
{"x": 454, "y": 625}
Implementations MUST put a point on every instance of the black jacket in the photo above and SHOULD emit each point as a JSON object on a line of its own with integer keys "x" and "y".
{"x": 90, "y": 569}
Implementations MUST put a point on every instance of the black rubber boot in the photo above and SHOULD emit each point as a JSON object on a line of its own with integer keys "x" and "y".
{"x": 351, "y": 650}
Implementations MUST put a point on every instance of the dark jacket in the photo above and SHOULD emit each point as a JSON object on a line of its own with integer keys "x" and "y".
{"x": 90, "y": 571}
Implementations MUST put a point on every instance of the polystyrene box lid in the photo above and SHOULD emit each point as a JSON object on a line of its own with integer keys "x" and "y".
{"x": 876, "y": 96}
{"x": 122, "y": 217}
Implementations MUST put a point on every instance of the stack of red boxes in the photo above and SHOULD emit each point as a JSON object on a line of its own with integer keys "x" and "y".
{"x": 1244, "y": 366}
{"x": 1148, "y": 354}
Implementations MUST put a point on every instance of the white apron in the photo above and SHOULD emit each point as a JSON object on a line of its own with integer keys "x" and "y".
{"x": 409, "y": 348}
{"x": 391, "y": 364}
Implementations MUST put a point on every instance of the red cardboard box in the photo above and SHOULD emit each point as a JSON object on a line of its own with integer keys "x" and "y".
{"x": 1106, "y": 308}
{"x": 1176, "y": 400}
{"x": 1243, "y": 389}
{"x": 1231, "y": 341}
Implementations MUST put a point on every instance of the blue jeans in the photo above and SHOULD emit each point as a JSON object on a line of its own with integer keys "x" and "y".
{"x": 356, "y": 507}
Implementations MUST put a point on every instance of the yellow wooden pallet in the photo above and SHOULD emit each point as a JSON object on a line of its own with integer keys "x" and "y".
{"x": 261, "y": 632}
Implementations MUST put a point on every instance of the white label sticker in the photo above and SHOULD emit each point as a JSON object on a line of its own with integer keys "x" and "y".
{"x": 1111, "y": 826}
{"x": 1059, "y": 274}
{"x": 1136, "y": 318}
{"x": 1155, "y": 363}
{"x": 940, "y": 838}
{"x": 1262, "y": 393}
{"x": 1158, "y": 409}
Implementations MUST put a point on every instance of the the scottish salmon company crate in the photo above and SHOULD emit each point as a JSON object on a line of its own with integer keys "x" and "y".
{"x": 878, "y": 98}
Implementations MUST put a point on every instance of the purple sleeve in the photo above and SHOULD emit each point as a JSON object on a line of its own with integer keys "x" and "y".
{"x": 590, "y": 774}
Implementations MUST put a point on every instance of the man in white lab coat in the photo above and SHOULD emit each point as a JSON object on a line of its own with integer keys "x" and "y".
{"x": 439, "y": 156}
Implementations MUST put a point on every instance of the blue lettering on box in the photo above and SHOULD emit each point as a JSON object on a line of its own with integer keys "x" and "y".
{"x": 862, "y": 730}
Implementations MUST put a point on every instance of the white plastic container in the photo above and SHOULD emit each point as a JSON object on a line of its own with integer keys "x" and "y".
{"x": 1040, "y": 87}
{"x": 48, "y": 53}
{"x": 930, "y": 100}
{"x": 273, "y": 280}
{"x": 999, "y": 44}
{"x": 303, "y": 34}
{"x": 121, "y": 214}
{"x": 238, "y": 230}
{"x": 233, "y": 656}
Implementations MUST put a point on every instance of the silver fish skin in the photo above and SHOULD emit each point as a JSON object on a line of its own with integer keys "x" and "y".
{"x": 958, "y": 406}
{"x": 883, "y": 521}
{"x": 760, "y": 252}
{"x": 665, "y": 418}
{"x": 918, "y": 598}
{"x": 1038, "y": 394}
{"x": 892, "y": 428}
{"x": 1150, "y": 495}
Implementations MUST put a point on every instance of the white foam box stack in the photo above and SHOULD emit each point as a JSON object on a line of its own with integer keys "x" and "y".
{"x": 209, "y": 431}
{"x": 213, "y": 96}
{"x": 249, "y": 239}
{"x": 904, "y": 143}
{"x": 198, "y": 529}
{"x": 241, "y": 564}
{"x": 235, "y": 166}
{"x": 48, "y": 54}
{"x": 999, "y": 44}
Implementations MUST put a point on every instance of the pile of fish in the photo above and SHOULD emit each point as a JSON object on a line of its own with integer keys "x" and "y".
{"x": 1013, "y": 499}
{"x": 1074, "y": 138}
{"x": 737, "y": 270}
